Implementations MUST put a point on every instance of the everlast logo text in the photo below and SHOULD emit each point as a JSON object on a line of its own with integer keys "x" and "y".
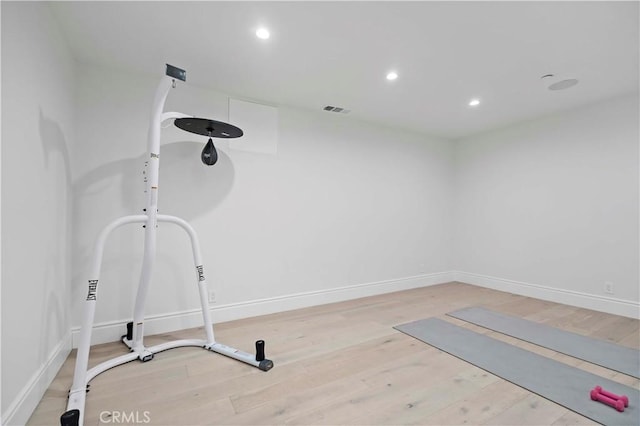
{"x": 200, "y": 273}
{"x": 93, "y": 287}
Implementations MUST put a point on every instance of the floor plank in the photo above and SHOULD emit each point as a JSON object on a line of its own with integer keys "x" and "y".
{"x": 341, "y": 363}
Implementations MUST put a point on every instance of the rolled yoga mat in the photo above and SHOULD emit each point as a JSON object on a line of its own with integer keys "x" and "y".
{"x": 553, "y": 380}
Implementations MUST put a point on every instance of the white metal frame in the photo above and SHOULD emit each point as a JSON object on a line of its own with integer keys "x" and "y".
{"x": 150, "y": 219}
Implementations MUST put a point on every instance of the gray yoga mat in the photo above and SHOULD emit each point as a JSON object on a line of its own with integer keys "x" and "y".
{"x": 606, "y": 354}
{"x": 553, "y": 380}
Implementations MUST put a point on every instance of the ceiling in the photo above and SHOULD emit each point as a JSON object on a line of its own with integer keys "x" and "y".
{"x": 338, "y": 53}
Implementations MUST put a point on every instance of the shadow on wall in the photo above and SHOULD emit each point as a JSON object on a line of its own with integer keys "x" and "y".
{"x": 187, "y": 188}
{"x": 55, "y": 235}
{"x": 53, "y": 142}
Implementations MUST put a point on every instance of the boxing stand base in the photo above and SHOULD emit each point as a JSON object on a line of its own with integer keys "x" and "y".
{"x": 74, "y": 416}
{"x": 77, "y": 397}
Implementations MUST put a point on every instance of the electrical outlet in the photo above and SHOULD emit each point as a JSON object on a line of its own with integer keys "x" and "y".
{"x": 212, "y": 296}
{"x": 608, "y": 287}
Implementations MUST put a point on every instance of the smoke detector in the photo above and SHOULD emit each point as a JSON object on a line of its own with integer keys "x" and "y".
{"x": 555, "y": 84}
{"x": 336, "y": 109}
{"x": 563, "y": 84}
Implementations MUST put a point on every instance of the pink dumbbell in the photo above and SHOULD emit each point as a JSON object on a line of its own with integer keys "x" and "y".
{"x": 613, "y": 395}
{"x": 618, "y": 404}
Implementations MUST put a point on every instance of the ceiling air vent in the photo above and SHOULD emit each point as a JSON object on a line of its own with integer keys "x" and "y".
{"x": 336, "y": 109}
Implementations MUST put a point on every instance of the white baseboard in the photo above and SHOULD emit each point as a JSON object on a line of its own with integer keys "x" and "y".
{"x": 20, "y": 410}
{"x": 164, "y": 323}
{"x": 610, "y": 305}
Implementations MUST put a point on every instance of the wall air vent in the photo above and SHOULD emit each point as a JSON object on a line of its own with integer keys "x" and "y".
{"x": 336, "y": 109}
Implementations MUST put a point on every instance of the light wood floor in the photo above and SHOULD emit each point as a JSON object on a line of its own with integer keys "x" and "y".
{"x": 338, "y": 364}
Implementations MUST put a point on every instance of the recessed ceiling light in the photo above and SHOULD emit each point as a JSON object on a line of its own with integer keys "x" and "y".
{"x": 474, "y": 102}
{"x": 392, "y": 75}
{"x": 262, "y": 33}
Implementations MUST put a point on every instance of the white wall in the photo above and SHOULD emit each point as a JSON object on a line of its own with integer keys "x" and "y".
{"x": 342, "y": 204}
{"x": 37, "y": 130}
{"x": 549, "y": 208}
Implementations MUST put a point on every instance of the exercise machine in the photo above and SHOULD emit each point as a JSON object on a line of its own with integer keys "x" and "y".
{"x": 133, "y": 339}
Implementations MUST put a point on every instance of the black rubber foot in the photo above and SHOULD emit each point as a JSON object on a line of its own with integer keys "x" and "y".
{"x": 259, "y": 350}
{"x": 129, "y": 331}
{"x": 265, "y": 365}
{"x": 70, "y": 418}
